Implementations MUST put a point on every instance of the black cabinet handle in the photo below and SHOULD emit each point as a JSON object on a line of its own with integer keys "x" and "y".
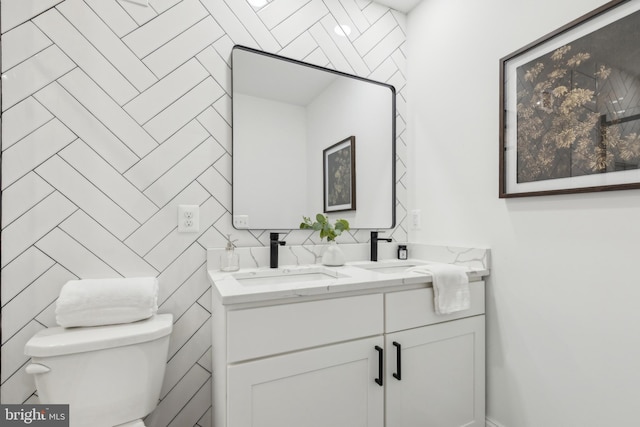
{"x": 380, "y": 365}
{"x": 398, "y": 374}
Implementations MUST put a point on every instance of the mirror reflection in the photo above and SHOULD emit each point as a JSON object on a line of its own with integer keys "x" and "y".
{"x": 290, "y": 158}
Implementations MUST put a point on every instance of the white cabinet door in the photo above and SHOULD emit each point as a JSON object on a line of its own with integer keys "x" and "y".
{"x": 332, "y": 386}
{"x": 442, "y": 375}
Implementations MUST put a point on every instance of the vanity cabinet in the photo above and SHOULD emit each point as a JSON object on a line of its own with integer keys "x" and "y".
{"x": 331, "y": 362}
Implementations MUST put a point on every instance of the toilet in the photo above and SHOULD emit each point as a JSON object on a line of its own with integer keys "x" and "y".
{"x": 109, "y": 375}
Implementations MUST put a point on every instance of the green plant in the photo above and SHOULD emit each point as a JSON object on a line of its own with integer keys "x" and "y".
{"x": 325, "y": 228}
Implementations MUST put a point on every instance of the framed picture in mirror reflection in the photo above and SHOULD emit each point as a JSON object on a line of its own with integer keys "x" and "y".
{"x": 339, "y": 176}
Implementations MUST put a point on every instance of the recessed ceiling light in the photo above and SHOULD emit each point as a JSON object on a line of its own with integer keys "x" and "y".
{"x": 342, "y": 30}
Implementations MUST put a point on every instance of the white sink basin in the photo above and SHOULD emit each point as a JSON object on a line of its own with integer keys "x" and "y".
{"x": 389, "y": 266}
{"x": 286, "y": 275}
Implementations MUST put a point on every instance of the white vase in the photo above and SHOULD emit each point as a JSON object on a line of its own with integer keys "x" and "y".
{"x": 333, "y": 255}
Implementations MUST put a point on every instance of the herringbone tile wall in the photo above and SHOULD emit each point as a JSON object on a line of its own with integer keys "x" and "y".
{"x": 113, "y": 114}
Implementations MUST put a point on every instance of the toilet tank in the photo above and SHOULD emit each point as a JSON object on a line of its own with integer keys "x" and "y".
{"x": 108, "y": 375}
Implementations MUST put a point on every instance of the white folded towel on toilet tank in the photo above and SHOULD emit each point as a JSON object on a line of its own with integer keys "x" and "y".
{"x": 96, "y": 302}
{"x": 450, "y": 286}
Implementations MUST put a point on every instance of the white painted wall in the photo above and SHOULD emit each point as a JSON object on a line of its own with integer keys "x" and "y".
{"x": 562, "y": 300}
{"x": 332, "y": 118}
{"x": 262, "y": 199}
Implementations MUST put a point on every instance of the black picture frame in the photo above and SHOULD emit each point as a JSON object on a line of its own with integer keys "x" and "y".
{"x": 339, "y": 176}
{"x": 566, "y": 123}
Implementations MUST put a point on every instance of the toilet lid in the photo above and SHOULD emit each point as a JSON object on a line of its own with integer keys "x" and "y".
{"x": 59, "y": 341}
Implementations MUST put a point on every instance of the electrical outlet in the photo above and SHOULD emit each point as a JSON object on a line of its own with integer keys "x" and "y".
{"x": 241, "y": 221}
{"x": 188, "y": 218}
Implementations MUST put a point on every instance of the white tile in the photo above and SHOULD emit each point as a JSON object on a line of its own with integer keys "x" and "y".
{"x": 19, "y": 388}
{"x": 86, "y": 126}
{"x": 178, "y": 114}
{"x": 277, "y": 11}
{"x": 178, "y": 272}
{"x": 300, "y": 47}
{"x": 88, "y": 197}
{"x": 207, "y": 419}
{"x": 374, "y": 11}
{"x": 185, "y": 359}
{"x": 217, "y": 127}
{"x": 356, "y": 14}
{"x": 385, "y": 48}
{"x": 37, "y": 296}
{"x": 217, "y": 185}
{"x": 166, "y": 91}
{"x": 233, "y": 27}
{"x": 400, "y": 60}
{"x": 12, "y": 357}
{"x": 180, "y": 49}
{"x": 375, "y": 34}
{"x": 254, "y": 25}
{"x": 166, "y": 220}
{"x": 34, "y": 149}
{"x": 186, "y": 326}
{"x": 154, "y": 165}
{"x": 341, "y": 16}
{"x": 21, "y": 43}
{"x": 74, "y": 257}
{"x": 195, "y": 408}
{"x": 172, "y": 404}
{"x": 109, "y": 181}
{"x": 114, "y": 16}
{"x": 107, "y": 43}
{"x": 217, "y": 67}
{"x": 22, "y": 119}
{"x": 22, "y": 196}
{"x": 33, "y": 74}
{"x": 223, "y": 107}
{"x": 224, "y": 46}
{"x": 223, "y": 166}
{"x": 184, "y": 172}
{"x": 385, "y": 71}
{"x": 47, "y": 317}
{"x": 326, "y": 43}
{"x": 299, "y": 22}
{"x": 346, "y": 48}
{"x": 206, "y": 302}
{"x": 23, "y": 270}
{"x": 162, "y": 5}
{"x": 318, "y": 57}
{"x": 141, "y": 14}
{"x": 30, "y": 227}
{"x": 15, "y": 12}
{"x": 170, "y": 248}
{"x": 105, "y": 246}
{"x": 83, "y": 89}
{"x": 83, "y": 53}
{"x": 165, "y": 27}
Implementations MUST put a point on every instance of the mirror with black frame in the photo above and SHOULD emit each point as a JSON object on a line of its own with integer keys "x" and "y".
{"x": 307, "y": 139}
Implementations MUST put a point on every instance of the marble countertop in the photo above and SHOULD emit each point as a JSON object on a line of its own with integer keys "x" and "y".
{"x": 259, "y": 283}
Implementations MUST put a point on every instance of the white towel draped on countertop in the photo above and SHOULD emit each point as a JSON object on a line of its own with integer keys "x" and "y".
{"x": 450, "y": 286}
{"x": 95, "y": 302}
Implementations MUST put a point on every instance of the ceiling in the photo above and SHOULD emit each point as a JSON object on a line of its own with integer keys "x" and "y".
{"x": 401, "y": 5}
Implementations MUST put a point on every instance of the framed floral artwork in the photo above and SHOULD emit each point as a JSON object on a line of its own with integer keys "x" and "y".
{"x": 339, "y": 176}
{"x": 570, "y": 107}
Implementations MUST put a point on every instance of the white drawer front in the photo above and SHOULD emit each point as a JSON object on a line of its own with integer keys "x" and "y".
{"x": 264, "y": 331}
{"x": 415, "y": 308}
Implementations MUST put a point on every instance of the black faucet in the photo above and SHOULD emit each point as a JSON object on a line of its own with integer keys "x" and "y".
{"x": 273, "y": 254}
{"x": 374, "y": 245}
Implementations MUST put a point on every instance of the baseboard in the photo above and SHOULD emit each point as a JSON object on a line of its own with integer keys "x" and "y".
{"x": 491, "y": 423}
